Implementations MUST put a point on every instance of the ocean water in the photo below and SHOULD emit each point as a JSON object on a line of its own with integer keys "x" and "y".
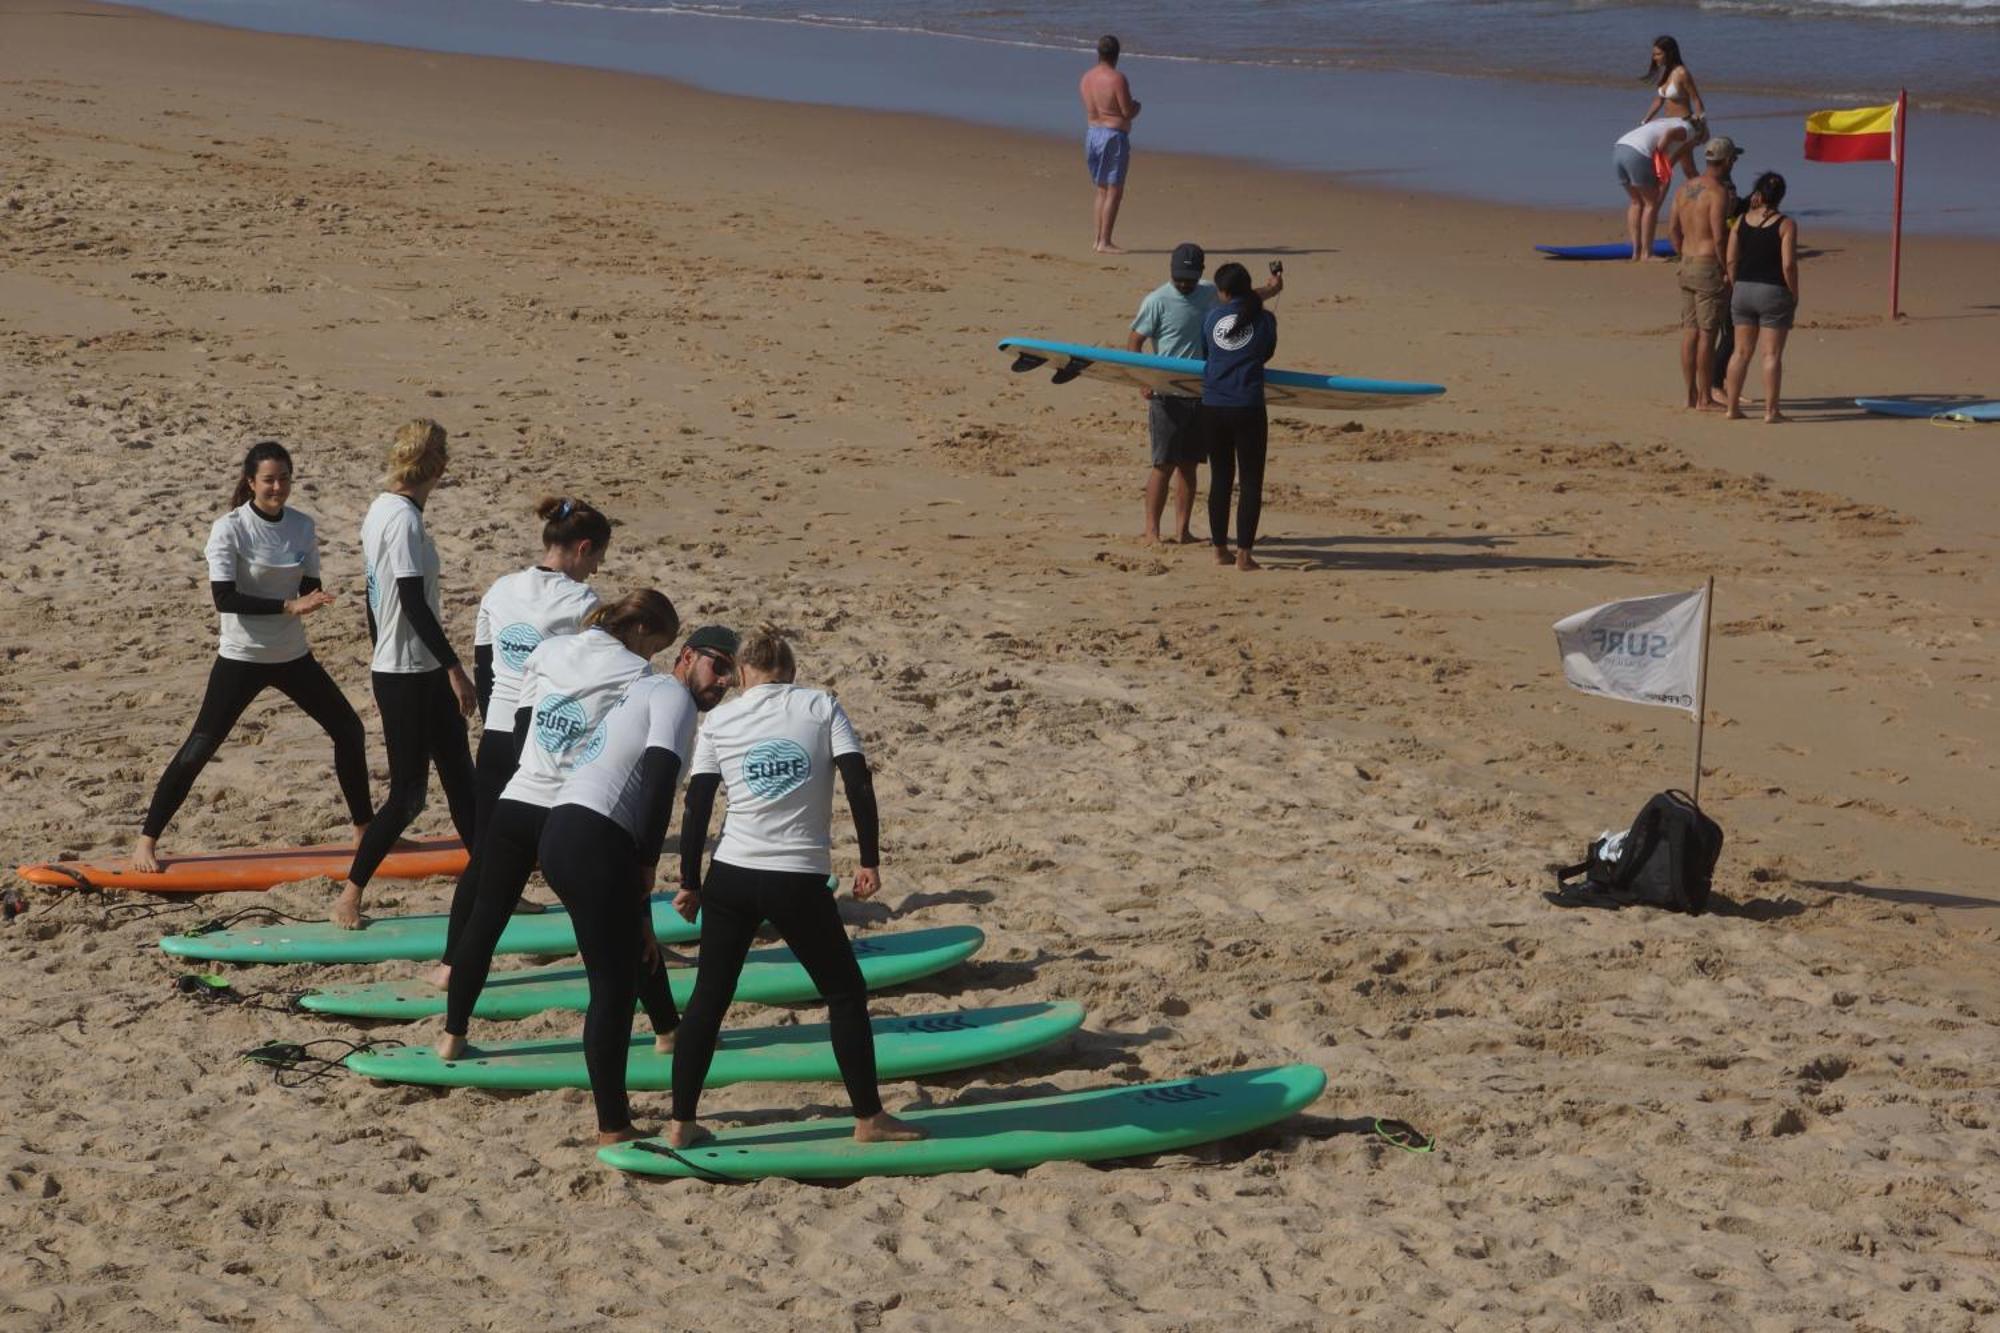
{"x": 1517, "y": 101}
{"x": 1947, "y": 51}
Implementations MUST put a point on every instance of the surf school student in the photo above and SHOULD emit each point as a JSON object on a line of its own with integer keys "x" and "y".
{"x": 424, "y": 694}
{"x": 263, "y": 572}
{"x": 568, "y": 685}
{"x": 1764, "y": 298}
{"x": 1632, "y": 160}
{"x": 1108, "y": 111}
{"x": 520, "y": 610}
{"x": 600, "y": 852}
{"x": 776, "y": 747}
{"x": 1170, "y": 318}
{"x": 1676, "y": 95}
{"x": 1239, "y": 337}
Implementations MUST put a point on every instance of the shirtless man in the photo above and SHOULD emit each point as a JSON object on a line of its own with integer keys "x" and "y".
{"x": 1698, "y": 231}
{"x": 1109, "y": 108}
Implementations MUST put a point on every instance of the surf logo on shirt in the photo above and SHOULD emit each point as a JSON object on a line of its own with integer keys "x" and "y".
{"x": 515, "y": 643}
{"x": 1233, "y": 333}
{"x": 560, "y": 723}
{"x": 776, "y": 768}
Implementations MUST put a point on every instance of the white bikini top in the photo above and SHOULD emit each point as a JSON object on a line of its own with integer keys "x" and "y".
{"x": 1670, "y": 92}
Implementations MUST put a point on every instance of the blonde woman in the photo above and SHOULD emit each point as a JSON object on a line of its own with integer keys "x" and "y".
{"x": 776, "y": 748}
{"x": 424, "y": 694}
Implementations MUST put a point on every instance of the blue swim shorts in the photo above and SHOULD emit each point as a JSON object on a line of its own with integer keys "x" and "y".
{"x": 1108, "y": 153}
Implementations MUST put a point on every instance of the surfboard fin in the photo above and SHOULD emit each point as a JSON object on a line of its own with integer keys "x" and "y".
{"x": 1075, "y": 366}
{"x": 1027, "y": 361}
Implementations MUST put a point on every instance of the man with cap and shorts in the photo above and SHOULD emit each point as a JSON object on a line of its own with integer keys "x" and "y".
{"x": 1170, "y": 318}
{"x": 1108, "y": 111}
{"x": 1699, "y": 232}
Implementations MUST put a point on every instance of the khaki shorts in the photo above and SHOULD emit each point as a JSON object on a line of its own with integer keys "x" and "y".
{"x": 1702, "y": 306}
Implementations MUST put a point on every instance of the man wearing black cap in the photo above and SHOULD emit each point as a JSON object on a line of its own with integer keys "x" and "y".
{"x": 1170, "y": 317}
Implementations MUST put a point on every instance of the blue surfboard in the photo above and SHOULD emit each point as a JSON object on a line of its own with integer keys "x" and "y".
{"x": 1931, "y": 409}
{"x": 1182, "y": 375}
{"x": 1662, "y": 249}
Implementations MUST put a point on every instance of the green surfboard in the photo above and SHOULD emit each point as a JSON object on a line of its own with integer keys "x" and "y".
{"x": 799, "y": 1053}
{"x": 771, "y": 976}
{"x": 393, "y": 938}
{"x": 1074, "y": 1126}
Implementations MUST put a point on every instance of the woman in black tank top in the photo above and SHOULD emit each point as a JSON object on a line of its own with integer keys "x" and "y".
{"x": 1764, "y": 291}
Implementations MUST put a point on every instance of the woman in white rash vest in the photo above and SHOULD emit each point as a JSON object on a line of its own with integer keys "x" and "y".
{"x": 776, "y": 747}
{"x": 263, "y": 572}
{"x": 547, "y": 599}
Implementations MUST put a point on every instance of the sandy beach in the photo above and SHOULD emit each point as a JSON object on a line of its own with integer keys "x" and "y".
{"x": 1301, "y": 815}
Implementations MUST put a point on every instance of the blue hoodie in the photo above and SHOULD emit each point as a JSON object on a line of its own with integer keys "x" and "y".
{"x": 1234, "y": 373}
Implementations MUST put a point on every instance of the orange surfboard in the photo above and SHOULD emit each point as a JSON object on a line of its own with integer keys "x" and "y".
{"x": 251, "y": 871}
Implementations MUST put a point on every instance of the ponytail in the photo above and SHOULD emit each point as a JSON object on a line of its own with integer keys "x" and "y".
{"x": 766, "y": 651}
{"x": 262, "y": 452}
{"x": 1233, "y": 281}
{"x": 643, "y": 612}
{"x": 567, "y": 521}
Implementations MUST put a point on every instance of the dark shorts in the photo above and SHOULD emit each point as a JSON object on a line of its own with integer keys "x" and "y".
{"x": 1763, "y": 305}
{"x": 1176, "y": 430}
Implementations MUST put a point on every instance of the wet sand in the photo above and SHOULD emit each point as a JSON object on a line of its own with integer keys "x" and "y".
{"x": 1301, "y": 815}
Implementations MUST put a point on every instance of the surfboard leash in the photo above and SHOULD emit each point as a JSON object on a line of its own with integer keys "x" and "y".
{"x": 268, "y": 916}
{"x": 293, "y": 1064}
{"x": 701, "y": 1172}
{"x": 215, "y": 989}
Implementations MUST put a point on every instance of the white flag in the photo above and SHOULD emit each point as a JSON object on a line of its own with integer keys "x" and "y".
{"x": 1646, "y": 650}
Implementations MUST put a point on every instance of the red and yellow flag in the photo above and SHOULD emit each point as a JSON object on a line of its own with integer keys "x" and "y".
{"x": 1857, "y": 134}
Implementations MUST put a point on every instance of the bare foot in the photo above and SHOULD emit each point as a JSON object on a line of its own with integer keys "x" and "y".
{"x": 1734, "y": 415}
{"x": 607, "y": 1137}
{"x": 1246, "y": 564}
{"x": 885, "y": 1128}
{"x": 1184, "y": 539}
{"x": 1222, "y": 556}
{"x": 1107, "y": 248}
{"x": 450, "y": 1047}
{"x": 526, "y": 908}
{"x": 346, "y": 911}
{"x": 663, "y": 1042}
{"x": 1775, "y": 418}
{"x": 441, "y": 976}
{"x": 686, "y": 1134}
{"x": 145, "y": 856}
{"x": 1149, "y": 538}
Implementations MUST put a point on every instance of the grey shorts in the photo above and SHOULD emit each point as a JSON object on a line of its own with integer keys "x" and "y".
{"x": 1176, "y": 430}
{"x": 1633, "y": 167}
{"x": 1762, "y": 305}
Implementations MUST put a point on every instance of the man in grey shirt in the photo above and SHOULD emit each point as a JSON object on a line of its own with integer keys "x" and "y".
{"x": 1170, "y": 317}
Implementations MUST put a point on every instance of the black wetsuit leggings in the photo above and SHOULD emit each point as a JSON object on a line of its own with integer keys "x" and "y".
{"x": 231, "y": 687}
{"x": 421, "y": 726}
{"x": 509, "y": 850}
{"x": 492, "y": 769}
{"x": 593, "y": 866}
{"x": 1238, "y": 438}
{"x": 734, "y": 902}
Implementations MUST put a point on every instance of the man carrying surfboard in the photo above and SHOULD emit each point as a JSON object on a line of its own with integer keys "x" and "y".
{"x": 1108, "y": 111}
{"x": 1171, "y": 317}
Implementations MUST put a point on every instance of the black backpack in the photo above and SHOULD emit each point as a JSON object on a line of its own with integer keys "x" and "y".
{"x": 1666, "y": 860}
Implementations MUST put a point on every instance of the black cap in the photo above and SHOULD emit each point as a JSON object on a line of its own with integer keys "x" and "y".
{"x": 714, "y": 639}
{"x": 1188, "y": 260}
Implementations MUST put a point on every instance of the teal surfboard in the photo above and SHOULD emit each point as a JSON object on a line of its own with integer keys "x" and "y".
{"x": 1181, "y": 375}
{"x": 771, "y": 976}
{"x": 1932, "y": 409}
{"x": 393, "y": 938}
{"x": 1076, "y": 1126}
{"x": 799, "y": 1053}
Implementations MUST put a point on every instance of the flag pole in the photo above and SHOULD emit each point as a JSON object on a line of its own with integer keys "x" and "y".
{"x": 1701, "y": 687}
{"x": 1898, "y": 151}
